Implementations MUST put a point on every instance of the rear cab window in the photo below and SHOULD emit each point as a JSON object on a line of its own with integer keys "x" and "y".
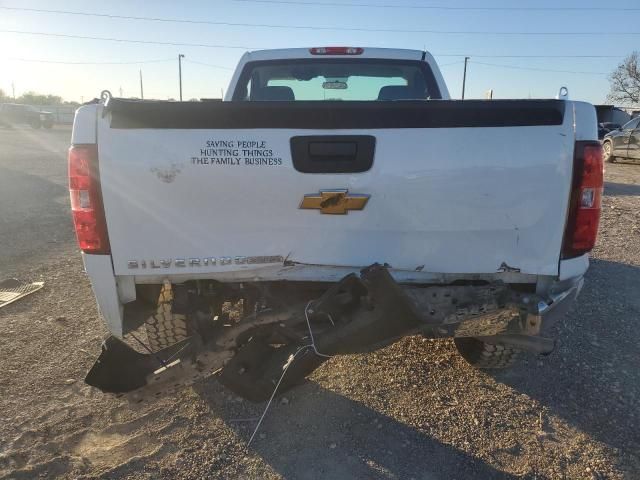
{"x": 336, "y": 80}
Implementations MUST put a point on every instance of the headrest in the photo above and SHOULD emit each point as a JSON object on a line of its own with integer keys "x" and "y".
{"x": 273, "y": 94}
{"x": 398, "y": 92}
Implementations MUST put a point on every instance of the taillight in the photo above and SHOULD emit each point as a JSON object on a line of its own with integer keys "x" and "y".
{"x": 336, "y": 51}
{"x": 86, "y": 200}
{"x": 586, "y": 198}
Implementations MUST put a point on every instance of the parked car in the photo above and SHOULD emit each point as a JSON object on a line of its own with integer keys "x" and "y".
{"x": 606, "y": 127}
{"x": 18, "y": 114}
{"x": 623, "y": 143}
{"x": 340, "y": 208}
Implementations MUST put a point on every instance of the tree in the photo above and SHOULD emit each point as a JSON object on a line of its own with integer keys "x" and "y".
{"x": 33, "y": 98}
{"x": 625, "y": 81}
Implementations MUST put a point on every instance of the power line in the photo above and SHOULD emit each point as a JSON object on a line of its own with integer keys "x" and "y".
{"x": 437, "y": 7}
{"x": 208, "y": 64}
{"x": 110, "y": 39}
{"x": 208, "y": 45}
{"x": 537, "y": 69}
{"x": 523, "y": 56}
{"x": 314, "y": 27}
{"x": 137, "y": 62}
{"x": 33, "y": 60}
{"x": 449, "y": 64}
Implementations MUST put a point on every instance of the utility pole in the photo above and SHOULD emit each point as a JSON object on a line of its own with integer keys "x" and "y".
{"x": 141, "y": 88}
{"x": 13, "y": 90}
{"x": 180, "y": 57}
{"x": 464, "y": 77}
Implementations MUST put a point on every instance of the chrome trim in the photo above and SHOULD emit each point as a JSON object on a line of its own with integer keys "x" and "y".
{"x": 205, "y": 261}
{"x": 554, "y": 308}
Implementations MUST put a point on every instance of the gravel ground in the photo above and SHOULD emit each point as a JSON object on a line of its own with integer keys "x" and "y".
{"x": 412, "y": 410}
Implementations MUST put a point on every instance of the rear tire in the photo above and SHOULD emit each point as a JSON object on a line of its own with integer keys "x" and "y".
{"x": 607, "y": 150}
{"x": 164, "y": 328}
{"x": 485, "y": 355}
{"x": 35, "y": 123}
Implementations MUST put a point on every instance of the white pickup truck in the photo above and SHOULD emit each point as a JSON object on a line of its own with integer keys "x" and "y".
{"x": 335, "y": 201}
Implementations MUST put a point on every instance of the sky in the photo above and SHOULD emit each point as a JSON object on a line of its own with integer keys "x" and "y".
{"x": 497, "y": 61}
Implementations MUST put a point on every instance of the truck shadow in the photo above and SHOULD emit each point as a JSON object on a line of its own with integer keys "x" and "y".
{"x": 592, "y": 380}
{"x": 590, "y": 383}
{"x": 322, "y": 434}
{"x": 621, "y": 189}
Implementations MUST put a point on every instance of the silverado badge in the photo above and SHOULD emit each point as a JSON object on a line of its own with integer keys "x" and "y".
{"x": 334, "y": 202}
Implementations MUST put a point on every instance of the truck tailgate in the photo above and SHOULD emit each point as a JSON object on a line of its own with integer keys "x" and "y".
{"x": 455, "y": 187}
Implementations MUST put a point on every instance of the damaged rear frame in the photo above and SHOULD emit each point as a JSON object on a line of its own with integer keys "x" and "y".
{"x": 358, "y": 314}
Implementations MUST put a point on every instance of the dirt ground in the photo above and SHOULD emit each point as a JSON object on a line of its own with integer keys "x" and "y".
{"x": 412, "y": 410}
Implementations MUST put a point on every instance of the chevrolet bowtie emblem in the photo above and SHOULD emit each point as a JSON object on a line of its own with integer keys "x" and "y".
{"x": 334, "y": 202}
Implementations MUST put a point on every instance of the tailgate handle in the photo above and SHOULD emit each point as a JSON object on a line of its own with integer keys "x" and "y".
{"x": 333, "y": 153}
{"x": 341, "y": 150}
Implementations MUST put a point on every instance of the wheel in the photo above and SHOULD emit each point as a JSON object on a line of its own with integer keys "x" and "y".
{"x": 164, "y": 328}
{"x": 48, "y": 125}
{"x": 607, "y": 150}
{"x": 35, "y": 123}
{"x": 485, "y": 355}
